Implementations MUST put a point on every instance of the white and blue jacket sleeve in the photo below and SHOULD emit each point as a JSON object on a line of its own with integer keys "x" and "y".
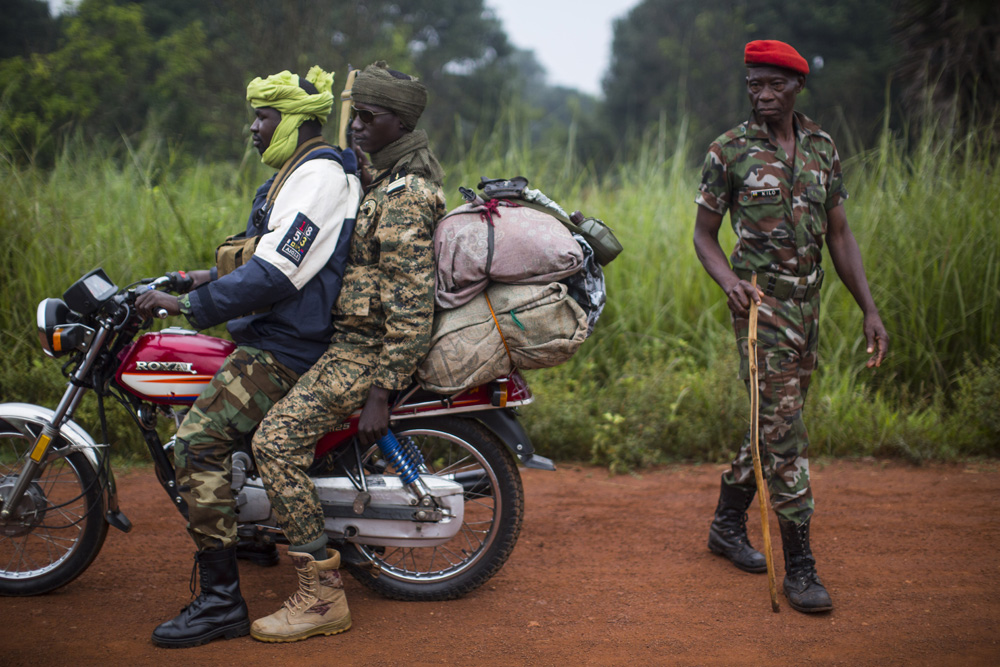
{"x": 297, "y": 269}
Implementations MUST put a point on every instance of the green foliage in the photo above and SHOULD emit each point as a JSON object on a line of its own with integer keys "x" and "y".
{"x": 179, "y": 92}
{"x": 667, "y": 62}
{"x": 950, "y": 66}
{"x": 93, "y": 210}
{"x": 663, "y": 409}
{"x": 110, "y": 67}
{"x": 96, "y": 77}
{"x": 107, "y": 137}
{"x": 933, "y": 257}
{"x": 975, "y": 421}
{"x": 456, "y": 47}
{"x": 184, "y": 66}
{"x": 657, "y": 380}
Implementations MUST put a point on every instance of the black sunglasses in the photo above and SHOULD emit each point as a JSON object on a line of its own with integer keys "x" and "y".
{"x": 367, "y": 117}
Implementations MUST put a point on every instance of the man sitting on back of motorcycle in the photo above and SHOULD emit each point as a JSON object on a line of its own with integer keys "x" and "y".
{"x": 382, "y": 329}
{"x": 276, "y": 285}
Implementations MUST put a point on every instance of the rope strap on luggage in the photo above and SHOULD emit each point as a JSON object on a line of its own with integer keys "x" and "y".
{"x": 499, "y": 331}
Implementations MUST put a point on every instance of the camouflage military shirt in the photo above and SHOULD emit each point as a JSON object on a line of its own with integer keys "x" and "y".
{"x": 778, "y": 206}
{"x": 384, "y": 314}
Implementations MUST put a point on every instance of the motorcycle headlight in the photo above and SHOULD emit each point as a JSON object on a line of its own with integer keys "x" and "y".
{"x": 56, "y": 333}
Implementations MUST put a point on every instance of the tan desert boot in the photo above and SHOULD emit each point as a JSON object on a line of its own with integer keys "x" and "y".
{"x": 317, "y": 608}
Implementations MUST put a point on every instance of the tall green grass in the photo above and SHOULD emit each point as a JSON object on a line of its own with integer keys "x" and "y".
{"x": 657, "y": 380}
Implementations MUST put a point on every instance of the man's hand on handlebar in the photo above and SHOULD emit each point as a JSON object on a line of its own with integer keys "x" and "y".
{"x": 152, "y": 303}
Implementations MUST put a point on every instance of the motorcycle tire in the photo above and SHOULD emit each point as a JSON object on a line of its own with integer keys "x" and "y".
{"x": 494, "y": 509}
{"x": 59, "y": 527}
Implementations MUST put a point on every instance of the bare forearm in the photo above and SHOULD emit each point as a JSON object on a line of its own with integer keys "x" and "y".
{"x": 739, "y": 293}
{"x": 715, "y": 262}
{"x": 710, "y": 254}
{"x": 846, "y": 256}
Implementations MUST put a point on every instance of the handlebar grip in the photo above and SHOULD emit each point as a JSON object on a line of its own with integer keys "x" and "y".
{"x": 161, "y": 313}
{"x": 180, "y": 282}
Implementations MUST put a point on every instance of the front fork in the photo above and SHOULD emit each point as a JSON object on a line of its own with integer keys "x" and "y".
{"x": 166, "y": 473}
{"x": 40, "y": 449}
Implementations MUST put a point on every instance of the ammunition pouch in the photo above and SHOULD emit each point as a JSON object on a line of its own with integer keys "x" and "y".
{"x": 235, "y": 251}
{"x": 602, "y": 239}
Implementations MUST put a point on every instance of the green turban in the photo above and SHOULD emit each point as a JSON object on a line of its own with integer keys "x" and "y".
{"x": 282, "y": 92}
{"x": 402, "y": 94}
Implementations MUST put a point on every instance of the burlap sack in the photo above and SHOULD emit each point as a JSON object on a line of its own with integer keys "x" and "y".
{"x": 529, "y": 246}
{"x": 542, "y": 324}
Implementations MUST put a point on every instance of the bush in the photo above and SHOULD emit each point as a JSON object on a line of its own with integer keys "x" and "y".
{"x": 657, "y": 381}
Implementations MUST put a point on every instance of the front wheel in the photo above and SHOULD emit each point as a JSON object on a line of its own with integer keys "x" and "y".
{"x": 58, "y": 527}
{"x": 464, "y": 451}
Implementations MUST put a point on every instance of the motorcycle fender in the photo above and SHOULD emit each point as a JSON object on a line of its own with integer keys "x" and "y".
{"x": 75, "y": 439}
{"x": 505, "y": 425}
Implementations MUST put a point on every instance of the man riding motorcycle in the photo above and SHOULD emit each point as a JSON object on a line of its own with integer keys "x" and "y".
{"x": 382, "y": 329}
{"x": 276, "y": 285}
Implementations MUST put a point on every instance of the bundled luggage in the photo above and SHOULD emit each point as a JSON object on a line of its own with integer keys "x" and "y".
{"x": 503, "y": 327}
{"x": 519, "y": 285}
{"x": 505, "y": 243}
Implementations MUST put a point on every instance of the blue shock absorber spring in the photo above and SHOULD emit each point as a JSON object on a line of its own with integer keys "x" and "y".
{"x": 399, "y": 457}
{"x": 414, "y": 452}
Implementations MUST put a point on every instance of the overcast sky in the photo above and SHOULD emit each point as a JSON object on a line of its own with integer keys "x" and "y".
{"x": 572, "y": 40}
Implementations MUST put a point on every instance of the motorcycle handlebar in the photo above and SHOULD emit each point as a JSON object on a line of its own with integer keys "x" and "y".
{"x": 157, "y": 283}
{"x": 175, "y": 281}
{"x": 171, "y": 281}
{"x": 180, "y": 282}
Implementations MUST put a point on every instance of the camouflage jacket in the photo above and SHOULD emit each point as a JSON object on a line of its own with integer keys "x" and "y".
{"x": 385, "y": 311}
{"x": 778, "y": 209}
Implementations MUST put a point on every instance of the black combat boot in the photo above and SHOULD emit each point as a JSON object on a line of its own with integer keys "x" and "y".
{"x": 218, "y": 612}
{"x": 803, "y": 588}
{"x": 728, "y": 533}
{"x": 257, "y": 549}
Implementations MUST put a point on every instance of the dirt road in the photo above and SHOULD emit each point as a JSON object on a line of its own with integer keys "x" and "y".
{"x": 608, "y": 571}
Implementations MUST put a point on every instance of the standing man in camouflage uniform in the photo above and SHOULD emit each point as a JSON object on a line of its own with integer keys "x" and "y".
{"x": 778, "y": 174}
{"x": 382, "y": 328}
{"x": 275, "y": 284}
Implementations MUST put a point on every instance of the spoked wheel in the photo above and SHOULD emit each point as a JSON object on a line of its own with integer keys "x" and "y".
{"x": 58, "y": 527}
{"x": 463, "y": 451}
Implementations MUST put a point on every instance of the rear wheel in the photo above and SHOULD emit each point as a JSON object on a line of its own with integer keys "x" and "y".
{"x": 464, "y": 451}
{"x": 58, "y": 526}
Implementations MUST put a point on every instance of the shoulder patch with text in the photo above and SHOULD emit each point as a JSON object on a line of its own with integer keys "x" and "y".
{"x": 299, "y": 238}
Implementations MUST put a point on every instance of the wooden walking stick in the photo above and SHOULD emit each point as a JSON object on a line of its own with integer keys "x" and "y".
{"x": 345, "y": 106}
{"x": 755, "y": 448}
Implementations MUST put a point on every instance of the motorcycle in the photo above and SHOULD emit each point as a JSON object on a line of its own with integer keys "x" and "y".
{"x": 429, "y": 514}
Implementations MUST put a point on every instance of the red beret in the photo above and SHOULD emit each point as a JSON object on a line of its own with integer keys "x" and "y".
{"x": 773, "y": 52}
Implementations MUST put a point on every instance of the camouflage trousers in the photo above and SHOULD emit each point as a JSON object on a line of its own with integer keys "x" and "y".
{"x": 787, "y": 338}
{"x": 230, "y": 407}
{"x": 286, "y": 441}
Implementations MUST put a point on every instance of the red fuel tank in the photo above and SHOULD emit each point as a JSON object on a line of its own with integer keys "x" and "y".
{"x": 171, "y": 366}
